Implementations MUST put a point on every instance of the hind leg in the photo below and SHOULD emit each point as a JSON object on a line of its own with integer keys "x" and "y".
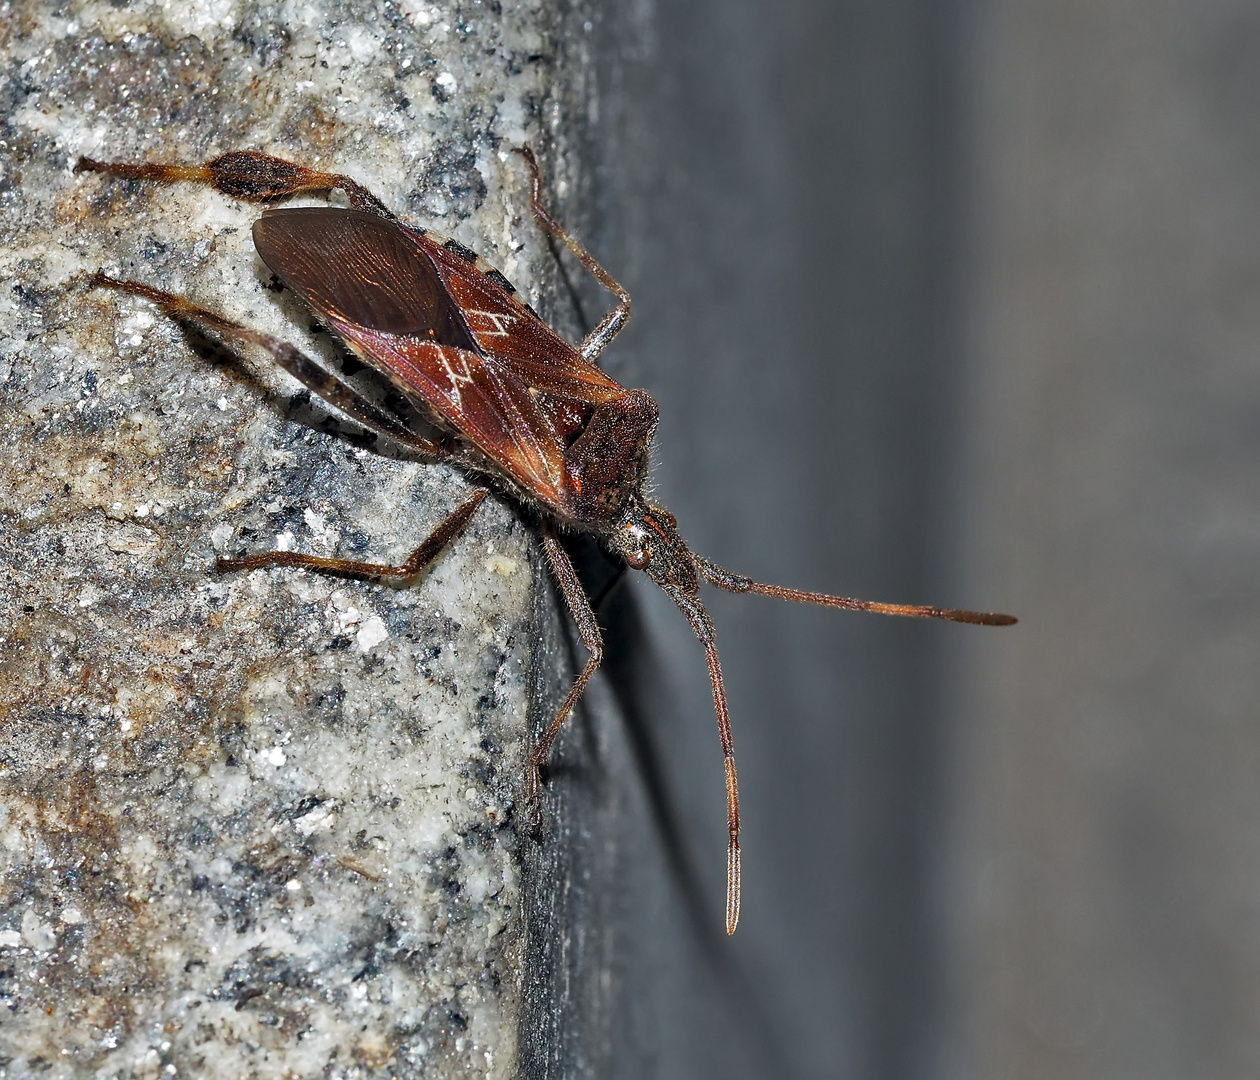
{"x": 245, "y": 174}
{"x": 340, "y": 395}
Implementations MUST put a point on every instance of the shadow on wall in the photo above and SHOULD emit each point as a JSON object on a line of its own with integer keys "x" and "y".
{"x": 776, "y": 192}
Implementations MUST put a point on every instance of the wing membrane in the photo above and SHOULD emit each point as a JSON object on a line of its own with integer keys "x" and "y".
{"x": 503, "y": 326}
{"x": 361, "y": 269}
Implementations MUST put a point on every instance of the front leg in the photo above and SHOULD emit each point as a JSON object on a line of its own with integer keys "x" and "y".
{"x": 597, "y": 340}
{"x": 588, "y": 630}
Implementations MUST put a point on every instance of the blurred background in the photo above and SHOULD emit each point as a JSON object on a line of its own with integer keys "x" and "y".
{"x": 959, "y": 303}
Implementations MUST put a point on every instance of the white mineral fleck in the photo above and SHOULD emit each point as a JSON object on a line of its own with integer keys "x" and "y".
{"x": 322, "y": 817}
{"x": 37, "y": 933}
{"x": 220, "y": 535}
{"x": 133, "y": 540}
{"x": 363, "y": 45}
{"x": 502, "y": 565}
{"x": 371, "y": 633}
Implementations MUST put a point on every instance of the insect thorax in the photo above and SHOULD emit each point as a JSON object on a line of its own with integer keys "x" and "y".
{"x": 606, "y": 466}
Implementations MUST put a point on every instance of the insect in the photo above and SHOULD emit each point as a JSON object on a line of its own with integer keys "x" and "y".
{"x": 515, "y": 405}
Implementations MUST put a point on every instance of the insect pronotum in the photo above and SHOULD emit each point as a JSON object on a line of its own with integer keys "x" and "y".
{"x": 519, "y": 407}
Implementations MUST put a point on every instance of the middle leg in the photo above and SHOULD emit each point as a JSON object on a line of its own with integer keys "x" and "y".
{"x": 449, "y": 528}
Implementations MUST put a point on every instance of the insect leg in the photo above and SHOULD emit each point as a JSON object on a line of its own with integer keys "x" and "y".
{"x": 341, "y": 396}
{"x": 588, "y": 631}
{"x": 611, "y": 323}
{"x": 450, "y": 527}
{"x": 245, "y": 174}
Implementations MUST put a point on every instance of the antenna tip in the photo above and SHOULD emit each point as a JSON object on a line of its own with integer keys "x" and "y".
{"x": 732, "y": 886}
{"x": 976, "y": 618}
{"x": 996, "y": 619}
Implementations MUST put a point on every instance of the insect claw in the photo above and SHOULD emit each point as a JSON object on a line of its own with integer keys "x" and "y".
{"x": 533, "y": 800}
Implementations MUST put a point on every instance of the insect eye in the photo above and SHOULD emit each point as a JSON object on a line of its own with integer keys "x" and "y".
{"x": 639, "y": 559}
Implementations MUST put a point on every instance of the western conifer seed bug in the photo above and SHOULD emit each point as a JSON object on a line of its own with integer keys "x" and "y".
{"x": 519, "y": 407}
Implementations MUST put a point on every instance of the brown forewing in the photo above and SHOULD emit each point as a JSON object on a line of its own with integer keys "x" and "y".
{"x": 361, "y": 269}
{"x": 423, "y": 312}
{"x": 491, "y": 409}
{"x": 510, "y": 334}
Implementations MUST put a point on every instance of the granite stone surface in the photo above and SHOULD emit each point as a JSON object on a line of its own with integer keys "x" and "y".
{"x": 261, "y": 824}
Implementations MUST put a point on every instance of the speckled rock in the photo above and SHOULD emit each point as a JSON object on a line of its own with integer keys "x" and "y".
{"x": 262, "y": 824}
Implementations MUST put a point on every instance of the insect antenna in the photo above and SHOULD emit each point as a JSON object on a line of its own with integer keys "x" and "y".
{"x": 737, "y": 583}
{"x": 696, "y": 614}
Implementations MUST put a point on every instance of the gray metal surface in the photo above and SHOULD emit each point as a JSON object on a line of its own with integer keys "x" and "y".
{"x": 953, "y": 302}
{"x": 776, "y": 190}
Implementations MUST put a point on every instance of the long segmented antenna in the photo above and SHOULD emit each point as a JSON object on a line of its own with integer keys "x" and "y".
{"x": 703, "y": 627}
{"x": 737, "y": 583}
{"x": 698, "y": 616}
